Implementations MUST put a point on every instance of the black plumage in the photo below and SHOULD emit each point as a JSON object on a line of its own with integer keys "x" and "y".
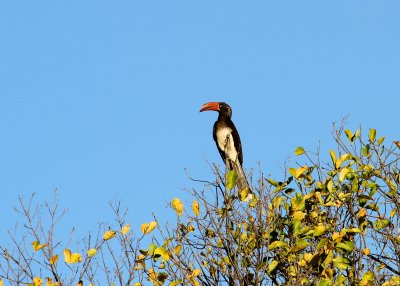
{"x": 228, "y": 141}
{"x": 224, "y": 121}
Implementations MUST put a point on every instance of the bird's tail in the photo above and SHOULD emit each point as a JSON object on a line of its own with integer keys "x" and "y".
{"x": 245, "y": 192}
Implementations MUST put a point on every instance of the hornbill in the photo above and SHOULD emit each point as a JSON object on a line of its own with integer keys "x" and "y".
{"x": 228, "y": 143}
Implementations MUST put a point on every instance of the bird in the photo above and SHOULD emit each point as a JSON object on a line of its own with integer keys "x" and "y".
{"x": 228, "y": 142}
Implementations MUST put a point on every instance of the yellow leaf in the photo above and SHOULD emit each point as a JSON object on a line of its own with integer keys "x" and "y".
{"x": 343, "y": 173}
{"x": 49, "y": 281}
{"x": 299, "y": 215}
{"x": 1, "y": 282}
{"x": 37, "y": 281}
{"x": 276, "y": 244}
{"x": 367, "y": 278}
{"x": 53, "y": 260}
{"x": 272, "y": 266}
{"x": 302, "y": 262}
{"x": 337, "y": 237}
{"x": 298, "y": 172}
{"x": 91, "y": 252}
{"x": 71, "y": 257}
{"x": 333, "y": 156}
{"x": 393, "y": 212}
{"x": 109, "y": 234}
{"x": 362, "y": 213}
{"x": 332, "y": 204}
{"x": 146, "y": 228}
{"x": 319, "y": 230}
{"x": 196, "y": 208}
{"x": 245, "y": 195}
{"x": 37, "y": 246}
{"x": 177, "y": 249}
{"x": 340, "y": 161}
{"x": 162, "y": 252}
{"x": 372, "y": 134}
{"x": 80, "y": 283}
{"x": 152, "y": 276}
{"x": 308, "y": 257}
{"x": 137, "y": 284}
{"x": 299, "y": 151}
{"x": 125, "y": 229}
{"x": 366, "y": 251}
{"x": 196, "y": 272}
{"x": 177, "y": 206}
{"x": 277, "y": 201}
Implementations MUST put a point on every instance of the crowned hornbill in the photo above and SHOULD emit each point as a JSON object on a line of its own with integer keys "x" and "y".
{"x": 228, "y": 141}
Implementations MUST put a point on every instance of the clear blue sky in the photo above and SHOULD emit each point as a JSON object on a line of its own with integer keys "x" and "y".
{"x": 101, "y": 99}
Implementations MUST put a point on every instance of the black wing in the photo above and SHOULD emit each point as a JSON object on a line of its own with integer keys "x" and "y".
{"x": 236, "y": 140}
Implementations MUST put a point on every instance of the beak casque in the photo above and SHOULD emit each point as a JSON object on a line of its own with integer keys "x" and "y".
{"x": 210, "y": 106}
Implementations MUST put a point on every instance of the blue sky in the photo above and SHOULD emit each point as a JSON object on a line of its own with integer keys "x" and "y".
{"x": 101, "y": 99}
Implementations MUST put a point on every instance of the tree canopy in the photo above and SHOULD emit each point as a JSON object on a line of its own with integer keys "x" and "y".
{"x": 321, "y": 222}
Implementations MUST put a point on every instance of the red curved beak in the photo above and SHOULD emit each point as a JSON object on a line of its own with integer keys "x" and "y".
{"x": 210, "y": 106}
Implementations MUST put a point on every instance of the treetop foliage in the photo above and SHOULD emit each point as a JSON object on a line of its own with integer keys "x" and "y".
{"x": 320, "y": 223}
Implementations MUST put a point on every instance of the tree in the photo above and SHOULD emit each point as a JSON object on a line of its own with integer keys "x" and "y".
{"x": 321, "y": 223}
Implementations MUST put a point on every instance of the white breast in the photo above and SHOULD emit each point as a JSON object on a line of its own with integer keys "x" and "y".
{"x": 225, "y": 142}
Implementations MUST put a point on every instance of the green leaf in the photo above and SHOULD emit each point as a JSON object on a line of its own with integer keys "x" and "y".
{"x": 348, "y": 245}
{"x": 328, "y": 258}
{"x": 372, "y": 206}
{"x": 372, "y": 134}
{"x": 381, "y": 223}
{"x": 368, "y": 276}
{"x": 231, "y": 180}
{"x": 341, "y": 263}
{"x": 277, "y": 244}
{"x": 324, "y": 282}
{"x": 322, "y": 243}
{"x": 352, "y": 230}
{"x": 175, "y": 283}
{"x": 152, "y": 247}
{"x": 272, "y": 266}
{"x": 365, "y": 150}
{"x": 299, "y": 151}
{"x": 340, "y": 280}
{"x": 277, "y": 201}
{"x": 301, "y": 244}
{"x": 272, "y": 182}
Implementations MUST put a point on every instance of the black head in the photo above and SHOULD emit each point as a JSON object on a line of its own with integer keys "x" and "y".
{"x": 223, "y": 108}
